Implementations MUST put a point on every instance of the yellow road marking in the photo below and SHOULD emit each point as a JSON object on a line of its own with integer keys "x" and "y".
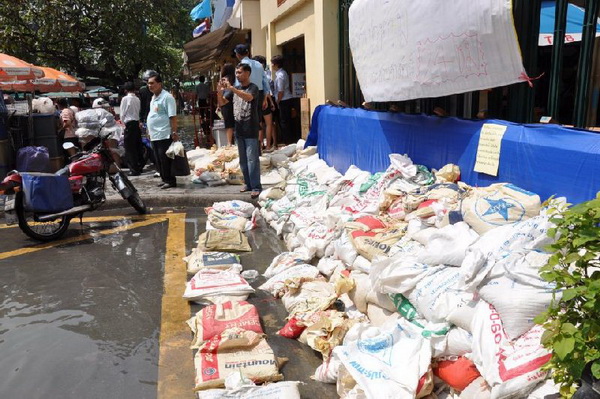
{"x": 97, "y": 219}
{"x": 22, "y": 251}
{"x": 175, "y": 362}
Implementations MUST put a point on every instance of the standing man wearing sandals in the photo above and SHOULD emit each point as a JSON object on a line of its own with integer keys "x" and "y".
{"x": 245, "y": 113}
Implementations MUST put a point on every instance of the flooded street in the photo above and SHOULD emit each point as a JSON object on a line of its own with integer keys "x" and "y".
{"x": 82, "y": 320}
{"x": 100, "y": 314}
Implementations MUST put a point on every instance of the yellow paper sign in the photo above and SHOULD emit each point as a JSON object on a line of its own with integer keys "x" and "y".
{"x": 488, "y": 151}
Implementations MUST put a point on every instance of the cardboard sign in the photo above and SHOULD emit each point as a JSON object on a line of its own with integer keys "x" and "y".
{"x": 488, "y": 151}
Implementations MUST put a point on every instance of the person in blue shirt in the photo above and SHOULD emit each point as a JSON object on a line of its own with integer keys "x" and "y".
{"x": 162, "y": 128}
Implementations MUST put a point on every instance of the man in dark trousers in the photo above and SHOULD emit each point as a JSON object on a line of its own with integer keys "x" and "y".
{"x": 130, "y": 116}
{"x": 162, "y": 128}
{"x": 245, "y": 113}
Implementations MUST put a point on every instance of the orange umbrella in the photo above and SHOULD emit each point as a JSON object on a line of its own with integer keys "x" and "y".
{"x": 60, "y": 80}
{"x": 12, "y": 68}
{"x": 53, "y": 81}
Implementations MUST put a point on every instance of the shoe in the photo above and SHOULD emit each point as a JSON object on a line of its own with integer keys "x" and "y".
{"x": 254, "y": 194}
{"x": 156, "y": 174}
{"x": 244, "y": 189}
{"x": 162, "y": 183}
{"x": 167, "y": 186}
{"x": 133, "y": 173}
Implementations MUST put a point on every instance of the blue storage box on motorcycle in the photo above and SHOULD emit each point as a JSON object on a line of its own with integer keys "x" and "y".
{"x": 46, "y": 192}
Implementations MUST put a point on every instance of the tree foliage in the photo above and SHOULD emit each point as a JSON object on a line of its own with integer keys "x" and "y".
{"x": 111, "y": 41}
{"x": 572, "y": 322}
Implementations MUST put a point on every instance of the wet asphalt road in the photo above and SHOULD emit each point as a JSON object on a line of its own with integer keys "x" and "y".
{"x": 81, "y": 317}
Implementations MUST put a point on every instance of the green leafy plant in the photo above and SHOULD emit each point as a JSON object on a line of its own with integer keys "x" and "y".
{"x": 572, "y": 322}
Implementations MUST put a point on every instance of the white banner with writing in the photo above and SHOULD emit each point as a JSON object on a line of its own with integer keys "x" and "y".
{"x": 406, "y": 49}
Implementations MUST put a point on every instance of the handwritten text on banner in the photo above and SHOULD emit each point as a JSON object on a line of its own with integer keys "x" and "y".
{"x": 404, "y": 49}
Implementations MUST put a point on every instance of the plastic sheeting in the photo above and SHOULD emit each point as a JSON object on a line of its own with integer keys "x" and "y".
{"x": 545, "y": 159}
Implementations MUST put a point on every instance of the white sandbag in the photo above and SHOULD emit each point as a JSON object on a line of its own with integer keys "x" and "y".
{"x": 404, "y": 164}
{"x": 381, "y": 300}
{"x": 362, "y": 264}
{"x": 457, "y": 342}
{"x": 497, "y": 205}
{"x": 283, "y": 261}
{"x": 310, "y": 297}
{"x": 397, "y": 275}
{"x": 289, "y": 150}
{"x": 198, "y": 260}
{"x": 316, "y": 238}
{"x": 327, "y": 372}
{"x": 478, "y": 389}
{"x": 386, "y": 362}
{"x": 271, "y": 177}
{"x": 518, "y": 304}
{"x": 217, "y": 286}
{"x": 278, "y": 160}
{"x": 512, "y": 369}
{"x": 448, "y": 245}
{"x": 499, "y": 243}
{"x": 344, "y": 250}
{"x": 424, "y": 235}
{"x": 462, "y": 316}
{"x": 438, "y": 293}
{"x": 235, "y": 207}
{"x": 362, "y": 287}
{"x": 545, "y": 389}
{"x": 43, "y": 105}
{"x": 277, "y": 390}
{"x": 276, "y": 283}
{"x": 328, "y": 265}
{"x": 379, "y": 316}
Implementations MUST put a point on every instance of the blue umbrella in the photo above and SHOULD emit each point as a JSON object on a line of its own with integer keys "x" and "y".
{"x": 574, "y": 23}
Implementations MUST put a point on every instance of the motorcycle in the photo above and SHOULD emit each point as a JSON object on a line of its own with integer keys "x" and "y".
{"x": 87, "y": 174}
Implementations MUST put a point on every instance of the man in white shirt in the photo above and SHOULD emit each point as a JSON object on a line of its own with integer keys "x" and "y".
{"x": 283, "y": 96}
{"x": 130, "y": 116}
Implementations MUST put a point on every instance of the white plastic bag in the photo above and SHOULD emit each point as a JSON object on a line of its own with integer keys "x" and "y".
{"x": 175, "y": 149}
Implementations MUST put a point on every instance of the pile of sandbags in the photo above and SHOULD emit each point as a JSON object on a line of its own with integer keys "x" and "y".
{"x": 232, "y": 350}
{"x": 221, "y": 166}
{"x": 403, "y": 275}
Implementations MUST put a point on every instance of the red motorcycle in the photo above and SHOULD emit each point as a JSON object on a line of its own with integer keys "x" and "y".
{"x": 87, "y": 174}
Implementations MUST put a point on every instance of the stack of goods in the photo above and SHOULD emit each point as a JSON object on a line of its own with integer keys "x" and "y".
{"x": 221, "y": 166}
{"x": 410, "y": 282}
{"x": 231, "y": 349}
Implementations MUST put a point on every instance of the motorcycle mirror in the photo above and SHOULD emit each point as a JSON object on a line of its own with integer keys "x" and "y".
{"x": 68, "y": 145}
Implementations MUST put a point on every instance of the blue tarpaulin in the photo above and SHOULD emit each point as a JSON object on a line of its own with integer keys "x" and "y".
{"x": 545, "y": 159}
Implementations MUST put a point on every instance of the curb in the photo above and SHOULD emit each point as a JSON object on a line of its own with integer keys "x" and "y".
{"x": 170, "y": 200}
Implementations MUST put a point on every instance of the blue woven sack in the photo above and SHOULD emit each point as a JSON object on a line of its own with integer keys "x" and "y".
{"x": 45, "y": 192}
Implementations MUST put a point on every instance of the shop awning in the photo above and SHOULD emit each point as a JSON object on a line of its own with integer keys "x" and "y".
{"x": 204, "y": 52}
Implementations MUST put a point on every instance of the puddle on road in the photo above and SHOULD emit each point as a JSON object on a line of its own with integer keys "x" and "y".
{"x": 82, "y": 320}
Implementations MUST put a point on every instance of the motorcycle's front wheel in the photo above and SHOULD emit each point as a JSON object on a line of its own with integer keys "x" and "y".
{"x": 41, "y": 231}
{"x": 124, "y": 186}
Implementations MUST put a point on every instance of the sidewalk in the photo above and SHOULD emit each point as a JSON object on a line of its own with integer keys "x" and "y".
{"x": 185, "y": 194}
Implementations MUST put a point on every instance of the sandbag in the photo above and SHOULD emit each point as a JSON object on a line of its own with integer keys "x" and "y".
{"x": 224, "y": 221}
{"x": 370, "y": 245}
{"x": 235, "y": 207}
{"x": 458, "y": 374}
{"x": 386, "y": 362}
{"x": 497, "y": 205}
{"x": 198, "y": 260}
{"x": 518, "y": 304}
{"x": 275, "y": 284}
{"x": 214, "y": 319}
{"x": 217, "y": 286}
{"x": 307, "y": 296}
{"x": 235, "y": 351}
{"x": 223, "y": 240}
{"x": 361, "y": 289}
{"x": 512, "y": 369}
{"x": 283, "y": 261}
{"x": 277, "y": 390}
{"x": 379, "y": 316}
{"x": 448, "y": 245}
